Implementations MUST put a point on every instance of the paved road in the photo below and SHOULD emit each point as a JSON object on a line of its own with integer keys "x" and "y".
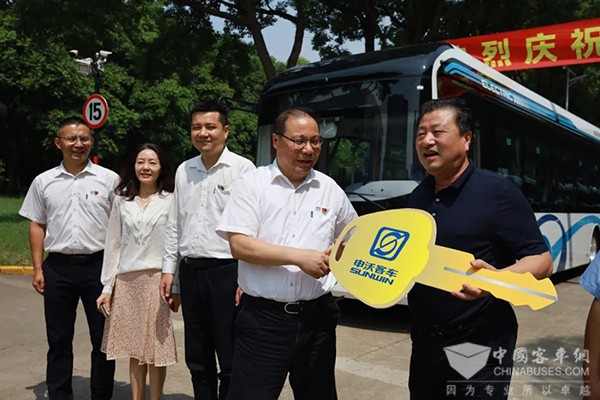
{"x": 373, "y": 349}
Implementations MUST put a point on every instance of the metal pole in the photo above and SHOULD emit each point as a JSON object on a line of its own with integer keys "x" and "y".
{"x": 567, "y": 88}
{"x": 570, "y": 82}
{"x": 95, "y": 157}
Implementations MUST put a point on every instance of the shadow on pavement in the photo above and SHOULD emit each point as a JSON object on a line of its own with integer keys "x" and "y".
{"x": 551, "y": 366}
{"x": 358, "y": 315}
{"x": 81, "y": 390}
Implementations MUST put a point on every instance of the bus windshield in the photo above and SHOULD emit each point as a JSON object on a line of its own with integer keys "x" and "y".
{"x": 368, "y": 127}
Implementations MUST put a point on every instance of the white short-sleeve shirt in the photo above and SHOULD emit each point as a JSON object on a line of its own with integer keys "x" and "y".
{"x": 74, "y": 208}
{"x": 199, "y": 199}
{"x": 264, "y": 204}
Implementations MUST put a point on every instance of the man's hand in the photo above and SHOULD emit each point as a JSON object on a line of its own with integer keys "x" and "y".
{"x": 166, "y": 282}
{"x": 314, "y": 263}
{"x": 103, "y": 300}
{"x": 469, "y": 292}
{"x": 38, "y": 282}
{"x": 238, "y": 295}
{"x": 175, "y": 302}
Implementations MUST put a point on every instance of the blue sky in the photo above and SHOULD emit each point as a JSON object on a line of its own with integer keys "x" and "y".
{"x": 280, "y": 37}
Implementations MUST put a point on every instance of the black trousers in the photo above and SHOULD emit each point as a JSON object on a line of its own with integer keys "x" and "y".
{"x": 208, "y": 304}
{"x": 273, "y": 339}
{"x": 432, "y": 376}
{"x": 68, "y": 279}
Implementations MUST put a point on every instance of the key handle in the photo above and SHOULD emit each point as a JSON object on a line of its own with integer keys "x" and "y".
{"x": 386, "y": 251}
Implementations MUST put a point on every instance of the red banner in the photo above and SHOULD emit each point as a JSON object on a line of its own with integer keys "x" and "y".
{"x": 548, "y": 46}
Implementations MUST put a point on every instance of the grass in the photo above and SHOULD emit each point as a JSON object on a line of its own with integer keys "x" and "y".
{"x": 14, "y": 239}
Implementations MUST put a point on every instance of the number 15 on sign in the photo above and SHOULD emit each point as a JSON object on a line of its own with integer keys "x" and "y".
{"x": 95, "y": 111}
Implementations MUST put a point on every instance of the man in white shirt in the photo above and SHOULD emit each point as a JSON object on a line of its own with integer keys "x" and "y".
{"x": 281, "y": 221}
{"x": 207, "y": 271}
{"x": 68, "y": 207}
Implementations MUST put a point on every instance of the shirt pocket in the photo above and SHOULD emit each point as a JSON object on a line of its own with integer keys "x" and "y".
{"x": 220, "y": 196}
{"x": 323, "y": 221}
{"x": 96, "y": 202}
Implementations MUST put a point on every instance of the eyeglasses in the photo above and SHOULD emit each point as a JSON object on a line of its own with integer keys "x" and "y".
{"x": 73, "y": 139}
{"x": 300, "y": 143}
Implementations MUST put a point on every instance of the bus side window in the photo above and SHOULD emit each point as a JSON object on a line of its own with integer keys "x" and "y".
{"x": 508, "y": 155}
{"x": 536, "y": 171}
{"x": 564, "y": 157}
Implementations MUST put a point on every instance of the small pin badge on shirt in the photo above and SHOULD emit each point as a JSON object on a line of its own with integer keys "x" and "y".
{"x": 323, "y": 210}
{"x": 91, "y": 193}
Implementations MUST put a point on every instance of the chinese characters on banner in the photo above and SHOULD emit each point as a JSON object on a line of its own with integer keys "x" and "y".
{"x": 548, "y": 46}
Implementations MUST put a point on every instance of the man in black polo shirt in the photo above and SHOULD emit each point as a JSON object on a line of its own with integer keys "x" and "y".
{"x": 481, "y": 213}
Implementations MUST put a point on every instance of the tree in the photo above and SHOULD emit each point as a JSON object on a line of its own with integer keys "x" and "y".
{"x": 248, "y": 18}
{"x": 163, "y": 62}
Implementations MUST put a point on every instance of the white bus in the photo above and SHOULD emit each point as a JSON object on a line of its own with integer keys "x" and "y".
{"x": 368, "y": 104}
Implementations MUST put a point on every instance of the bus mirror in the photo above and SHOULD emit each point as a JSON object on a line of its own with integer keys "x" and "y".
{"x": 328, "y": 129}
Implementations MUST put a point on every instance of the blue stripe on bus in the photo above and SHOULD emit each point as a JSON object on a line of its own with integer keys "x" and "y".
{"x": 459, "y": 69}
{"x": 560, "y": 247}
{"x": 470, "y": 74}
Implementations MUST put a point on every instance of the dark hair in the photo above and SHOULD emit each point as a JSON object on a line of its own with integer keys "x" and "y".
{"x": 210, "y": 106}
{"x": 462, "y": 111}
{"x": 70, "y": 121}
{"x": 295, "y": 112}
{"x": 129, "y": 187}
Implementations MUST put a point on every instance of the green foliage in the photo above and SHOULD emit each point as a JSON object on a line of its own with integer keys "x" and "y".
{"x": 167, "y": 56}
{"x": 14, "y": 248}
{"x": 163, "y": 62}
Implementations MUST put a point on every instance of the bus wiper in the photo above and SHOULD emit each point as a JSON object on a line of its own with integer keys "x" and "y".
{"x": 364, "y": 197}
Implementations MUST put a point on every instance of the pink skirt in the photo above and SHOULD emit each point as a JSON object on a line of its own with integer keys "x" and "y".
{"x": 139, "y": 325}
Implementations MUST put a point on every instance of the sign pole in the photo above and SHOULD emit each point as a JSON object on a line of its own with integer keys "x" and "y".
{"x": 95, "y": 108}
{"x": 96, "y": 136}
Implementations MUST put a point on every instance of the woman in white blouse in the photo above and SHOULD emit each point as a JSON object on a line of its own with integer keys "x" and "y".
{"x": 138, "y": 323}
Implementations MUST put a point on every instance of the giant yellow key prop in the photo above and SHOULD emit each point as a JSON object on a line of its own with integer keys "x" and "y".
{"x": 391, "y": 250}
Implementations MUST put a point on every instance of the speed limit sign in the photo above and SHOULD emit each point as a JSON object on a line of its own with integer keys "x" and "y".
{"x": 95, "y": 111}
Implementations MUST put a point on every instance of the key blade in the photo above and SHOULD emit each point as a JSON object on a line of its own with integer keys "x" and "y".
{"x": 519, "y": 289}
{"x": 449, "y": 269}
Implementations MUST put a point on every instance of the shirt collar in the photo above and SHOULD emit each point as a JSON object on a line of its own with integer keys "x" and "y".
{"x": 277, "y": 174}
{"x": 460, "y": 181}
{"x": 225, "y": 158}
{"x": 89, "y": 168}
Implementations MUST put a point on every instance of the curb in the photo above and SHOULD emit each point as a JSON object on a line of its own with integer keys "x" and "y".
{"x": 16, "y": 270}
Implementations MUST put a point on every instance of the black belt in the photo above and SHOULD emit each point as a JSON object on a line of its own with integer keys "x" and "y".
{"x": 291, "y": 307}
{"x": 78, "y": 259}
{"x": 207, "y": 262}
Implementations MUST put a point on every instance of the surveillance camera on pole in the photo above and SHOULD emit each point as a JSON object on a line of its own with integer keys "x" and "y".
{"x": 95, "y": 108}
{"x": 84, "y": 65}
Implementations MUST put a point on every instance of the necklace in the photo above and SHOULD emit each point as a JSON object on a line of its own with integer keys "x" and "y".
{"x": 145, "y": 201}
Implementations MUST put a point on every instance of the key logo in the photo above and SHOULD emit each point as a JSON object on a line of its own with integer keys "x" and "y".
{"x": 388, "y": 243}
